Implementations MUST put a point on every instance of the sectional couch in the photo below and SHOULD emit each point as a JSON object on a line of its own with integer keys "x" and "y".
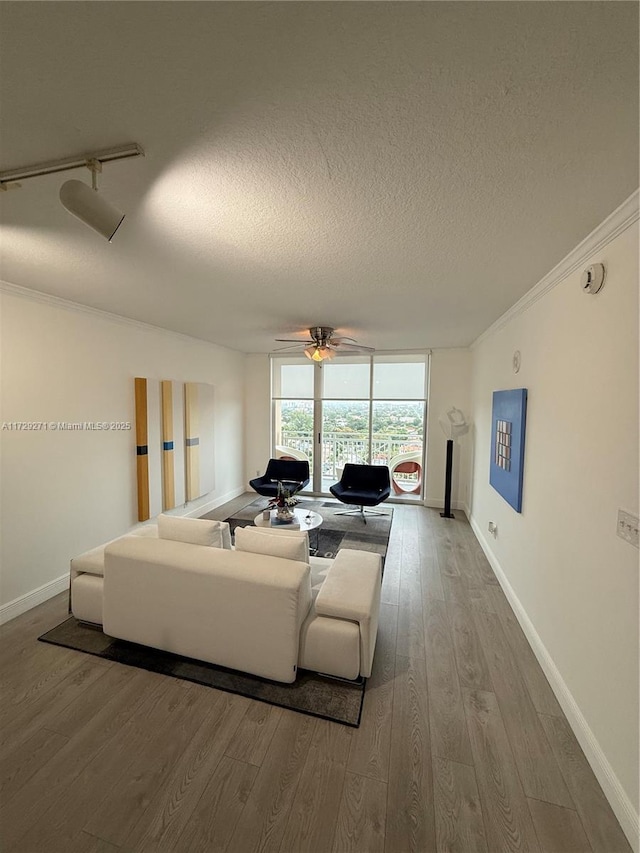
{"x": 264, "y": 606}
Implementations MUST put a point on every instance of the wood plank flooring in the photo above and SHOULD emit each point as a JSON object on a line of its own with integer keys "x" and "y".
{"x": 462, "y": 748}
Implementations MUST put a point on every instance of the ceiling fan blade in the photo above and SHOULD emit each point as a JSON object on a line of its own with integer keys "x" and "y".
{"x": 324, "y": 336}
{"x": 344, "y": 347}
{"x": 296, "y": 348}
{"x": 343, "y": 353}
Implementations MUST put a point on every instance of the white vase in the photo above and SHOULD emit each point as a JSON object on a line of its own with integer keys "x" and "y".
{"x": 284, "y": 513}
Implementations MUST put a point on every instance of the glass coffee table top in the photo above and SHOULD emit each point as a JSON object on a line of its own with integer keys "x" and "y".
{"x": 306, "y": 518}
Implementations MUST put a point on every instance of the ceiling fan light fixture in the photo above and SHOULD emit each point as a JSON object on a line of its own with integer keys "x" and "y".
{"x": 327, "y": 353}
{"x": 324, "y": 345}
{"x": 319, "y": 353}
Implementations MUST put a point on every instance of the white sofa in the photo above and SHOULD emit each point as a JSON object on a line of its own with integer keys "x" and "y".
{"x": 254, "y": 612}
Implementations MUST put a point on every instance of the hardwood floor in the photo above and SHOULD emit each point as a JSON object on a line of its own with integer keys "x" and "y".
{"x": 463, "y": 747}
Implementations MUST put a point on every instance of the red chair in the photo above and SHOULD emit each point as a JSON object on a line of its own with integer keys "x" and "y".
{"x": 406, "y": 466}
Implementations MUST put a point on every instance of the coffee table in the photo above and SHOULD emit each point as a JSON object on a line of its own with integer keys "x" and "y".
{"x": 307, "y": 518}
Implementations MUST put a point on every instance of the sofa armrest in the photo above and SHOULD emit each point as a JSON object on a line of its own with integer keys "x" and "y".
{"x": 352, "y": 591}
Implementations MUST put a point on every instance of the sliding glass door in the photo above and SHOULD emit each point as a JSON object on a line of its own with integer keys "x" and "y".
{"x": 346, "y": 416}
{"x": 362, "y": 409}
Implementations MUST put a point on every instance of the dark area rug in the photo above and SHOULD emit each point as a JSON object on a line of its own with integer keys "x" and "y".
{"x": 338, "y": 701}
{"x": 335, "y": 532}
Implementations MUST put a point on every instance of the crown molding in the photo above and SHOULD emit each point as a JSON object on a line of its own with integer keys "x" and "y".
{"x": 617, "y": 222}
{"x": 69, "y": 305}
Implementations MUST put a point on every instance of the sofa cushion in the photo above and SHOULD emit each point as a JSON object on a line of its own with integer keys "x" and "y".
{"x": 288, "y": 544}
{"x": 193, "y": 531}
{"x": 292, "y": 534}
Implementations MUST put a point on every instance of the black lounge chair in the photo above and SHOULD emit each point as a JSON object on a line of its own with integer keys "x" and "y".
{"x": 362, "y": 486}
{"x": 292, "y": 473}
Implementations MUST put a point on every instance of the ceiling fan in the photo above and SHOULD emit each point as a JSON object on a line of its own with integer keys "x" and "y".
{"x": 325, "y": 344}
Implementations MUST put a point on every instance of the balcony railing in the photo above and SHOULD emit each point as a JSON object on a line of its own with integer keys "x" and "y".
{"x": 339, "y": 448}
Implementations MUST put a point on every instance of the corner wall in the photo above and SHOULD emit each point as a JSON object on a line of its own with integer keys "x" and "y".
{"x": 572, "y": 581}
{"x": 449, "y": 386}
{"x": 63, "y": 492}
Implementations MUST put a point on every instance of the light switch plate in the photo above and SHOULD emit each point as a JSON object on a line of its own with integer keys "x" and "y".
{"x": 627, "y": 527}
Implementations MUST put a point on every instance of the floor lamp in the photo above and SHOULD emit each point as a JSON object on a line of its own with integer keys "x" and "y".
{"x": 453, "y": 425}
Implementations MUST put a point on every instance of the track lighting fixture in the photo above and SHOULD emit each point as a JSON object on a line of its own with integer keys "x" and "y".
{"x": 89, "y": 207}
{"x": 77, "y": 197}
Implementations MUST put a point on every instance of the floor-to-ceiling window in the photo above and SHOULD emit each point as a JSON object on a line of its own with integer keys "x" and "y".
{"x": 363, "y": 409}
{"x": 293, "y": 408}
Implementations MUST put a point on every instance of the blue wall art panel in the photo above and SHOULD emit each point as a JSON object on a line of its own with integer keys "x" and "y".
{"x": 507, "y": 444}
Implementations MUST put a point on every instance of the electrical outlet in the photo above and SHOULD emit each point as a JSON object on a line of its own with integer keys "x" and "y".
{"x": 627, "y": 527}
{"x": 493, "y": 529}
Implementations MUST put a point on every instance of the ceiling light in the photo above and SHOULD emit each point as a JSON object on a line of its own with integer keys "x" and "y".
{"x": 319, "y": 353}
{"x": 90, "y": 208}
{"x": 79, "y": 199}
{"x": 94, "y": 210}
{"x": 311, "y": 351}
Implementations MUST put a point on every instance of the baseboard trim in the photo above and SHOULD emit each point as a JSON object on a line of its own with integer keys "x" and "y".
{"x": 43, "y": 593}
{"x": 32, "y": 599}
{"x": 438, "y": 503}
{"x": 201, "y": 509}
{"x": 604, "y": 772}
{"x": 200, "y": 506}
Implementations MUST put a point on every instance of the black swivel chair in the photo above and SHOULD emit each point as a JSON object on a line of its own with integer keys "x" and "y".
{"x": 292, "y": 473}
{"x": 364, "y": 486}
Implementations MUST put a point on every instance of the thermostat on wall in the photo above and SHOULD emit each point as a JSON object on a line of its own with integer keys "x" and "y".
{"x": 592, "y": 278}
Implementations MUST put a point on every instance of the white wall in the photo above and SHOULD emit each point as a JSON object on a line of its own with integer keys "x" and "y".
{"x": 449, "y": 385}
{"x": 257, "y": 415}
{"x": 575, "y": 582}
{"x": 64, "y": 492}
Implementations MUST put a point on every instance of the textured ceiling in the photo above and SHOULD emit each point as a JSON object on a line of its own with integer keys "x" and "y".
{"x": 401, "y": 171}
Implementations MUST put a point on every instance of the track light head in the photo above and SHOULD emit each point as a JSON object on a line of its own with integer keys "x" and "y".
{"x": 78, "y": 198}
{"x": 91, "y": 208}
